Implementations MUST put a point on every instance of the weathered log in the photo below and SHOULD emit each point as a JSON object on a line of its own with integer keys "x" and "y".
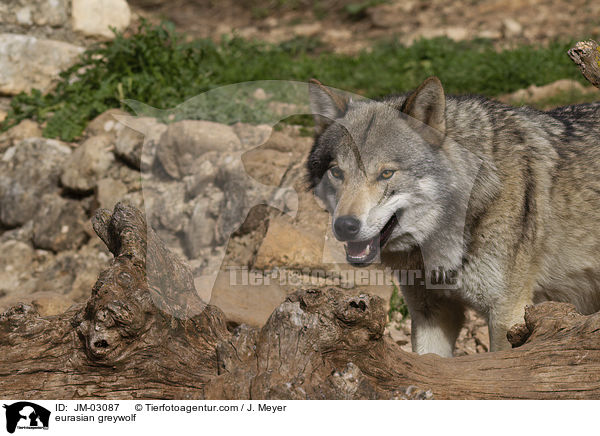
{"x": 132, "y": 340}
{"x": 586, "y": 55}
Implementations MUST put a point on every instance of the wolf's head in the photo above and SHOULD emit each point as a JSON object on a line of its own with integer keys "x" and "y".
{"x": 380, "y": 168}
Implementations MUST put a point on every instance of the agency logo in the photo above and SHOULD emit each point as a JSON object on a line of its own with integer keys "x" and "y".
{"x": 26, "y": 415}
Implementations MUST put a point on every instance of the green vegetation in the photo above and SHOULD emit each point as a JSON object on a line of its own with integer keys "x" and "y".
{"x": 156, "y": 66}
{"x": 397, "y": 304}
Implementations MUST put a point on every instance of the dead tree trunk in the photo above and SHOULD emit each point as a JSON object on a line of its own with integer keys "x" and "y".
{"x": 133, "y": 341}
{"x": 586, "y": 55}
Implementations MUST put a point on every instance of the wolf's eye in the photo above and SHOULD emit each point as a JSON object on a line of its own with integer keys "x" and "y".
{"x": 386, "y": 174}
{"x": 337, "y": 173}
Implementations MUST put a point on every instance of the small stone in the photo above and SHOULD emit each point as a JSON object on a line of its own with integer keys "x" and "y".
{"x": 489, "y": 34}
{"x": 185, "y": 141}
{"x": 139, "y": 141}
{"x": 24, "y": 17}
{"x": 456, "y": 33}
{"x": 11, "y": 267}
{"x": 28, "y": 170}
{"x": 52, "y": 13}
{"x": 88, "y": 163}
{"x": 271, "y": 22}
{"x": 105, "y": 123}
{"x": 259, "y": 94}
{"x": 25, "y": 129}
{"x": 93, "y": 17}
{"x": 59, "y": 224}
{"x": 336, "y": 35}
{"x": 128, "y": 146}
{"x": 27, "y": 62}
{"x": 511, "y": 27}
{"x": 168, "y": 206}
{"x": 307, "y": 30}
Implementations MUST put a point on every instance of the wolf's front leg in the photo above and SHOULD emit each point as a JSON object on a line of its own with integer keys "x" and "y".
{"x": 502, "y": 317}
{"x": 436, "y": 320}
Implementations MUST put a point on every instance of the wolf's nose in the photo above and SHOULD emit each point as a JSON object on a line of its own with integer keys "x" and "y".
{"x": 346, "y": 227}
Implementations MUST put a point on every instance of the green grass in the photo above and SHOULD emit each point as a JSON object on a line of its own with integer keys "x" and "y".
{"x": 157, "y": 67}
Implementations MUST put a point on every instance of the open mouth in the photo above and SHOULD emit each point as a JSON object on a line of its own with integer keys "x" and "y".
{"x": 362, "y": 253}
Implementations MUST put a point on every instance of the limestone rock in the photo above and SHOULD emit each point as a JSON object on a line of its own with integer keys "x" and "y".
{"x": 307, "y": 30}
{"x": 25, "y": 129}
{"x": 52, "y": 13}
{"x": 94, "y": 17}
{"x": 15, "y": 269}
{"x": 28, "y": 170}
{"x": 105, "y": 123}
{"x": 88, "y": 163}
{"x": 138, "y": 140}
{"x": 128, "y": 146}
{"x": 511, "y": 28}
{"x": 27, "y": 62}
{"x": 184, "y": 141}
{"x": 166, "y": 205}
{"x": 59, "y": 224}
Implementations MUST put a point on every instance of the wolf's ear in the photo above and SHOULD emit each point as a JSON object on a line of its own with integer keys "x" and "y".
{"x": 325, "y": 104}
{"x": 428, "y": 104}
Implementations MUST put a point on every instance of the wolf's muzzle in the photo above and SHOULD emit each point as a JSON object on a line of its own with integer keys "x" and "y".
{"x": 346, "y": 227}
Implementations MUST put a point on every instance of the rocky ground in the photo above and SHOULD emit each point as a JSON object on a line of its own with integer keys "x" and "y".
{"x": 351, "y": 25}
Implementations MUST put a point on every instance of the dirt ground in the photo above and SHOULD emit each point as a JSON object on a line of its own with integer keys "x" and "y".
{"x": 351, "y": 25}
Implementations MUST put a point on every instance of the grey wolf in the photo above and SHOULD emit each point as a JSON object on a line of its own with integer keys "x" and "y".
{"x": 520, "y": 226}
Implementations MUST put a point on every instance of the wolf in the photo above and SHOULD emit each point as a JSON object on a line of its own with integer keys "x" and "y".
{"x": 507, "y": 198}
